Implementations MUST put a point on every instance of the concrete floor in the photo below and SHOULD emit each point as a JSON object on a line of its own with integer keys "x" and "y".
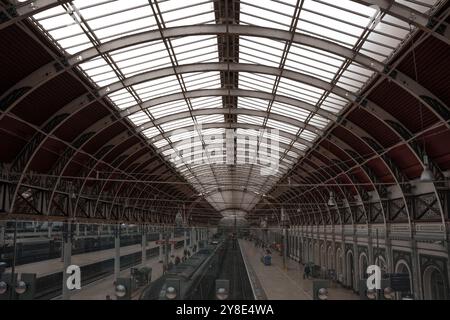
{"x": 281, "y": 284}
{"x": 46, "y": 267}
{"x": 98, "y": 290}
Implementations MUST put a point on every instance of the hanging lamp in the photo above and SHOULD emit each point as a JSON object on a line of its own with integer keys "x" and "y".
{"x": 427, "y": 175}
{"x": 332, "y": 200}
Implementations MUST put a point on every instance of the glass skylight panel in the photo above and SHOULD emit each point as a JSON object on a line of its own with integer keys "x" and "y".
{"x": 139, "y": 118}
{"x": 423, "y": 6}
{"x": 253, "y": 104}
{"x": 195, "y": 49}
{"x": 151, "y": 132}
{"x": 50, "y": 13}
{"x": 98, "y": 69}
{"x": 177, "y": 124}
{"x": 342, "y": 22}
{"x": 312, "y": 63}
{"x": 289, "y": 111}
{"x": 166, "y": 109}
{"x": 62, "y": 27}
{"x": 299, "y": 146}
{"x": 213, "y": 131}
{"x": 349, "y": 84}
{"x": 187, "y": 12}
{"x": 333, "y": 103}
{"x": 206, "y": 103}
{"x": 158, "y": 87}
{"x": 376, "y": 52}
{"x": 202, "y": 80}
{"x": 319, "y": 121}
{"x": 280, "y": 138}
{"x": 308, "y": 135}
{"x": 142, "y": 58}
{"x": 250, "y": 120}
{"x": 129, "y": 20}
{"x": 161, "y": 143}
{"x": 260, "y": 51}
{"x": 257, "y": 82}
{"x": 122, "y": 99}
{"x": 357, "y": 73}
{"x": 103, "y": 75}
{"x": 300, "y": 91}
{"x": 215, "y": 118}
{"x": 266, "y": 13}
{"x": 168, "y": 152}
{"x": 184, "y": 135}
{"x": 332, "y": 29}
{"x": 282, "y": 126}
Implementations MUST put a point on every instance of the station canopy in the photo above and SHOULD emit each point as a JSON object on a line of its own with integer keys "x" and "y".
{"x": 205, "y": 79}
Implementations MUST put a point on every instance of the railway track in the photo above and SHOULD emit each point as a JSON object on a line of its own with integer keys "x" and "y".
{"x": 234, "y": 270}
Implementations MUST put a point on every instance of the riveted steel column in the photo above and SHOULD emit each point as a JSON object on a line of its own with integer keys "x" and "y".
{"x": 67, "y": 258}
{"x": 117, "y": 252}
{"x": 144, "y": 244}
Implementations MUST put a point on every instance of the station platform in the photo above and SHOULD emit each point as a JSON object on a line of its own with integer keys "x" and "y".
{"x": 47, "y": 267}
{"x": 280, "y": 284}
{"x": 98, "y": 290}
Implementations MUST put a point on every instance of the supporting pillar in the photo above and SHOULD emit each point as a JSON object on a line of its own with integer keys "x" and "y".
{"x": 193, "y": 237}
{"x": 160, "y": 246}
{"x": 447, "y": 247}
{"x": 184, "y": 240}
{"x": 302, "y": 246}
{"x": 144, "y": 245}
{"x": 49, "y": 230}
{"x": 417, "y": 283}
{"x": 117, "y": 252}
{"x": 77, "y": 230}
{"x": 371, "y": 260}
{"x": 355, "y": 261}
{"x": 285, "y": 238}
{"x": 389, "y": 255}
{"x": 67, "y": 258}
{"x": 166, "y": 249}
{"x": 333, "y": 252}
{"x": 344, "y": 259}
{"x": 2, "y": 233}
{"x": 172, "y": 244}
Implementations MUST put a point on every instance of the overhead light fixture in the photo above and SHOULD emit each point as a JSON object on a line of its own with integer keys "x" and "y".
{"x": 427, "y": 175}
{"x": 332, "y": 200}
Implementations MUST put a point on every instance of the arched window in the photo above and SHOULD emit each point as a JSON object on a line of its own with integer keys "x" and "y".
{"x": 434, "y": 284}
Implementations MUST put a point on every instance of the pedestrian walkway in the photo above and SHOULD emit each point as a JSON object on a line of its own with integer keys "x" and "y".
{"x": 279, "y": 283}
{"x": 98, "y": 290}
{"x": 47, "y": 267}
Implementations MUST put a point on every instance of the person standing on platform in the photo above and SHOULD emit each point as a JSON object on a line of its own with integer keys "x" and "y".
{"x": 306, "y": 272}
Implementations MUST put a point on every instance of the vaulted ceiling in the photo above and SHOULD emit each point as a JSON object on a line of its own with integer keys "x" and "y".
{"x": 164, "y": 104}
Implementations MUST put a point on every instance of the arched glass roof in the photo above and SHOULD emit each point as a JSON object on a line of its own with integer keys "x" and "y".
{"x": 224, "y": 89}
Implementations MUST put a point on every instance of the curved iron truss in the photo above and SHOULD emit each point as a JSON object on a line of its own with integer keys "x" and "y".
{"x": 352, "y": 126}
